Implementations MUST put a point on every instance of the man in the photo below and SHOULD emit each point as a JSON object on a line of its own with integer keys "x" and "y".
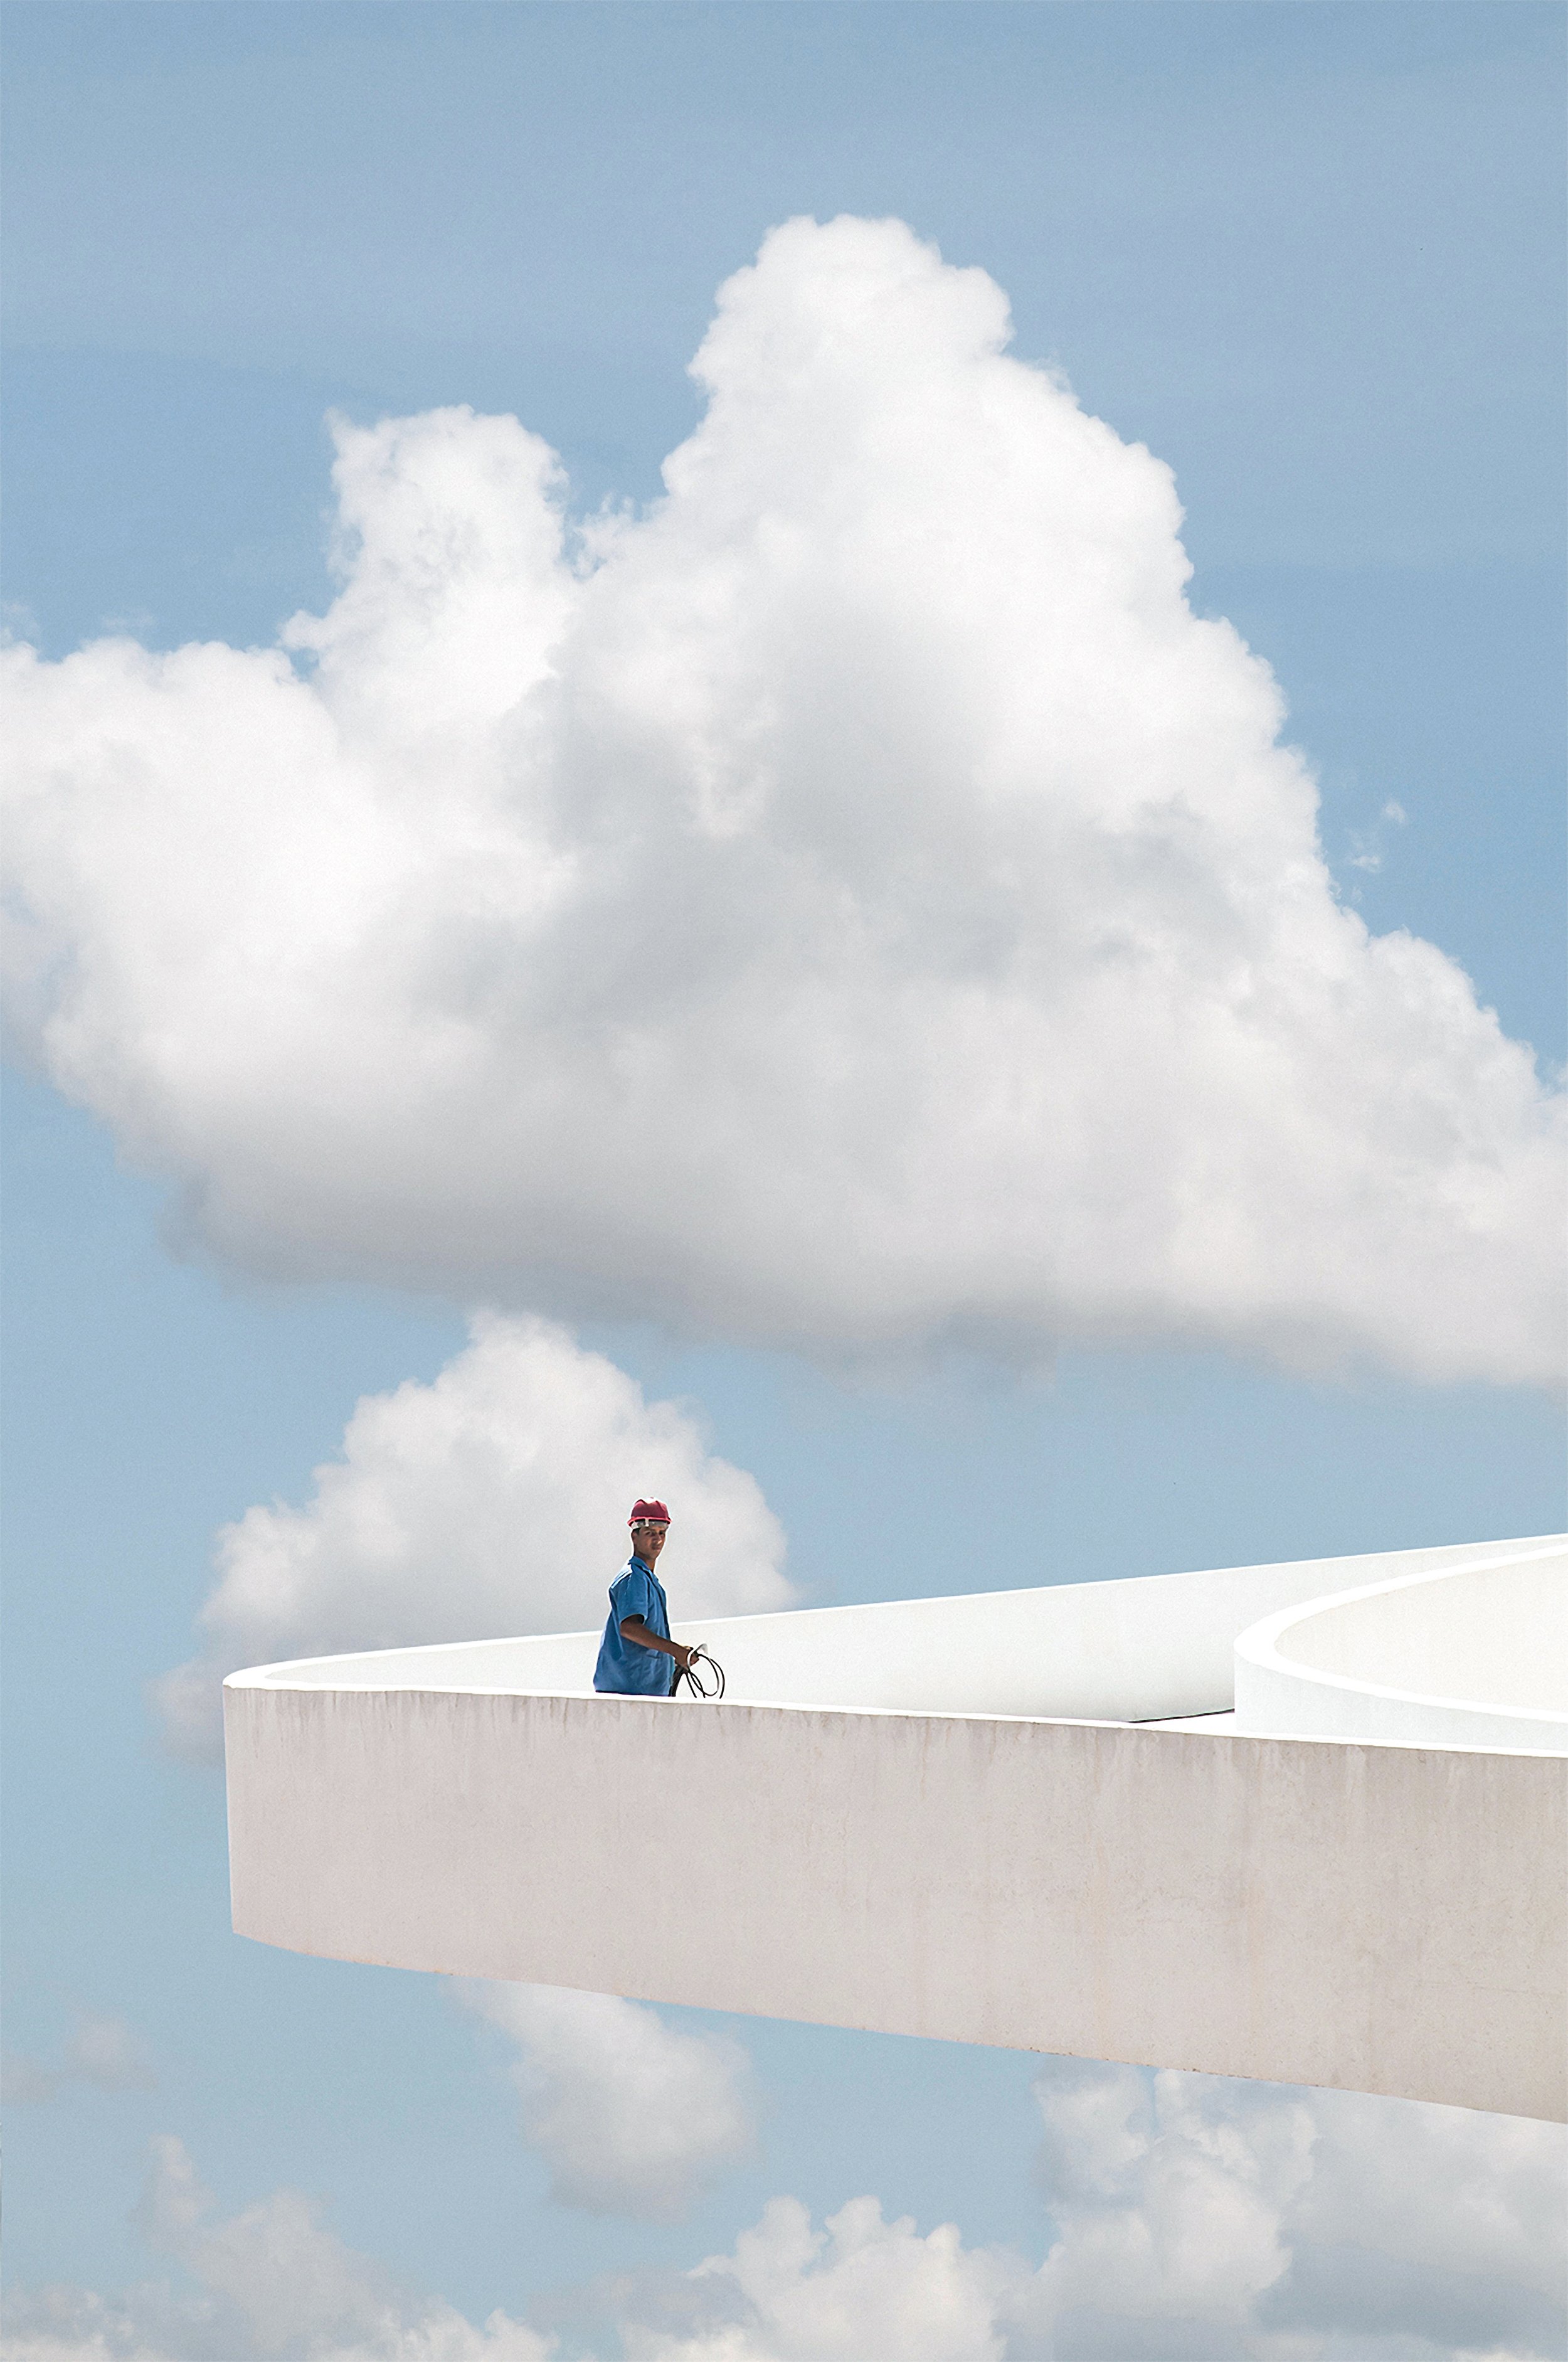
{"x": 636, "y": 1655}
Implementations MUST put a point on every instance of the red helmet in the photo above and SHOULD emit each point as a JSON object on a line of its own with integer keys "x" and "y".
{"x": 648, "y": 1512}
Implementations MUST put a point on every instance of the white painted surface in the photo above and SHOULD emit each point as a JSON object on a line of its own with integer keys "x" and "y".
{"x": 1472, "y": 1656}
{"x": 1128, "y": 1651}
{"x": 922, "y": 1817}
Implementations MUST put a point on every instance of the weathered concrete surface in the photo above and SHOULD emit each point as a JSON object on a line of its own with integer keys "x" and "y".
{"x": 1381, "y": 1917}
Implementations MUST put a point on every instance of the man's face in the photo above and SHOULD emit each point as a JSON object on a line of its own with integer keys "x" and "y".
{"x": 647, "y": 1542}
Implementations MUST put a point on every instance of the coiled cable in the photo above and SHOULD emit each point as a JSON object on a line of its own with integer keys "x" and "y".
{"x": 700, "y": 1685}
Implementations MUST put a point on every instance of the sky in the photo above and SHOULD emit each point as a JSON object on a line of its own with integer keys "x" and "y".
{"x": 636, "y": 865}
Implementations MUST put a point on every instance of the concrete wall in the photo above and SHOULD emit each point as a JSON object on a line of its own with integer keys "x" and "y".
{"x": 1382, "y": 1918}
{"x": 930, "y": 1824}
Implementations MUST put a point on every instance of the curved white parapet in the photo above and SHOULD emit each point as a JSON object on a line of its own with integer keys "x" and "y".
{"x": 1027, "y": 1819}
{"x": 1474, "y": 1655}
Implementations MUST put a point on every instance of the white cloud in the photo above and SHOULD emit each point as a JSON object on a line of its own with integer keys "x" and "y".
{"x": 633, "y": 2116}
{"x": 1366, "y": 844}
{"x": 1170, "y": 2198}
{"x": 862, "y": 2289}
{"x": 1207, "y": 2218}
{"x": 273, "y": 2282}
{"x": 492, "y": 1502}
{"x": 1451, "y": 2226}
{"x": 1194, "y": 2220}
{"x": 102, "y": 2051}
{"x": 855, "y": 903}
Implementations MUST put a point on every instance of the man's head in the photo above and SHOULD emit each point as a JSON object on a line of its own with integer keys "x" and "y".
{"x": 649, "y": 1522}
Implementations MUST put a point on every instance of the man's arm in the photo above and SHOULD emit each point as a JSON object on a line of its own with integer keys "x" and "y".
{"x": 633, "y": 1628}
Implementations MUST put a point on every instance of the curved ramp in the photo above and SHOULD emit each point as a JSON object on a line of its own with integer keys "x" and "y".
{"x": 1474, "y": 1655}
{"x": 973, "y": 1818}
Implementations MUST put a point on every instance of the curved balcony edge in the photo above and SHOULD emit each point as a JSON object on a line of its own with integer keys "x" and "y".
{"x": 1370, "y": 1915}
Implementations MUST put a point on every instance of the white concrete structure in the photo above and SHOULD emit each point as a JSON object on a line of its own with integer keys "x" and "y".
{"x": 1305, "y": 1822}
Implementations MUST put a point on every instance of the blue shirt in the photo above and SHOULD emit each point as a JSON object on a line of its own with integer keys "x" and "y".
{"x": 645, "y": 1672}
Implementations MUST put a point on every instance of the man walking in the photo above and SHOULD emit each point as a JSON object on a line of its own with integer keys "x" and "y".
{"x": 636, "y": 1654}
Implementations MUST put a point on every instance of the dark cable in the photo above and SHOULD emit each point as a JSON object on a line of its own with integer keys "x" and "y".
{"x": 688, "y": 1674}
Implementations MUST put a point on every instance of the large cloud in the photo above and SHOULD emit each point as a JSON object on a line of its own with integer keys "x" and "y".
{"x": 856, "y": 902}
{"x": 1196, "y": 2221}
{"x": 1203, "y": 2218}
{"x": 633, "y": 2116}
{"x": 492, "y": 1502}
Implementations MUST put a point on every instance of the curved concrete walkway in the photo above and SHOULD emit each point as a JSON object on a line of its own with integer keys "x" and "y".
{"x": 1236, "y": 1820}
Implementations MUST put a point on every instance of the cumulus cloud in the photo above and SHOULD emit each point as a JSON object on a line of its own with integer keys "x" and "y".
{"x": 1196, "y": 2221}
{"x": 273, "y": 2282}
{"x": 856, "y": 903}
{"x": 633, "y": 2116}
{"x": 1202, "y": 2217}
{"x": 102, "y": 2052}
{"x": 490, "y": 1503}
{"x": 861, "y": 2289}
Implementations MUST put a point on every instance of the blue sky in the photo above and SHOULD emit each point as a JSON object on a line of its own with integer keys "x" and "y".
{"x": 1310, "y": 257}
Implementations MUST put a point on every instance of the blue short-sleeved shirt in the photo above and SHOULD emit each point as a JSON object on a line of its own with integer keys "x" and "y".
{"x": 646, "y": 1672}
